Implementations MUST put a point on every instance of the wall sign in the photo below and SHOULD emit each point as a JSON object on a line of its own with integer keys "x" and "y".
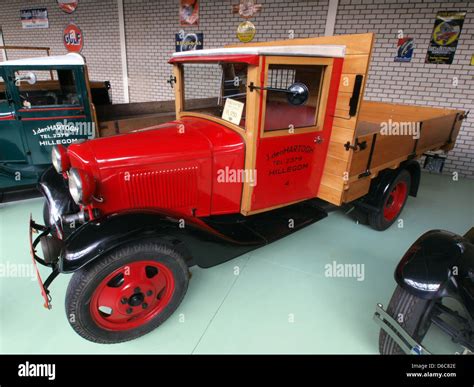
{"x": 246, "y": 8}
{"x": 189, "y": 12}
{"x": 189, "y": 42}
{"x": 68, "y": 6}
{"x": 404, "y": 50}
{"x": 32, "y": 18}
{"x": 472, "y": 60}
{"x": 246, "y": 31}
{"x": 445, "y": 37}
{"x": 73, "y": 38}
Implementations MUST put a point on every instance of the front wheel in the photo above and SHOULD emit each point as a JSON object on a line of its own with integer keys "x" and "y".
{"x": 413, "y": 315}
{"x": 127, "y": 293}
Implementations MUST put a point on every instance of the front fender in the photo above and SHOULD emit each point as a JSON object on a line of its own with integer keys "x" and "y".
{"x": 435, "y": 265}
{"x": 199, "y": 243}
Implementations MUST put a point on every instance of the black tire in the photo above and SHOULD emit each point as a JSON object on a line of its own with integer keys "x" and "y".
{"x": 46, "y": 214}
{"x": 85, "y": 281}
{"x": 415, "y": 313}
{"x": 377, "y": 219}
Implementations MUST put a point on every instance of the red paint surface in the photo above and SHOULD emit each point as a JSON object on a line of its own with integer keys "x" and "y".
{"x": 164, "y": 167}
{"x": 290, "y": 167}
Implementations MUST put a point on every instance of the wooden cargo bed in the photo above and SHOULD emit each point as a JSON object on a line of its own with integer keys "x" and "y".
{"x": 388, "y": 134}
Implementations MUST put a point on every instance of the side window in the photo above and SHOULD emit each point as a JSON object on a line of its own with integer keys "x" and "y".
{"x": 2, "y": 91}
{"x": 280, "y": 114}
{"x": 47, "y": 88}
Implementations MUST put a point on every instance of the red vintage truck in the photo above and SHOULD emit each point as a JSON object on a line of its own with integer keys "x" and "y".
{"x": 280, "y": 135}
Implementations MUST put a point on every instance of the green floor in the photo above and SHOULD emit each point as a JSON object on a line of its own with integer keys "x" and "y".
{"x": 280, "y": 302}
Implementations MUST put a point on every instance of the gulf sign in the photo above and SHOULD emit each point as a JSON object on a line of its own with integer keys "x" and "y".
{"x": 73, "y": 38}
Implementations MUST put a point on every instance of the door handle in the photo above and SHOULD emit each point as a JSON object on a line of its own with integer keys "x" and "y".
{"x": 318, "y": 140}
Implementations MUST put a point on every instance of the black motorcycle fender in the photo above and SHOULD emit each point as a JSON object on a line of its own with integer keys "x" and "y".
{"x": 199, "y": 243}
{"x": 434, "y": 266}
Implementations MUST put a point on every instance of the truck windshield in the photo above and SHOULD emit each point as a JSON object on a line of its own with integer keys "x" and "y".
{"x": 51, "y": 88}
{"x": 216, "y": 89}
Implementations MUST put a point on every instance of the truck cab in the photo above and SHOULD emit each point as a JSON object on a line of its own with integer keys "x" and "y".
{"x": 44, "y": 101}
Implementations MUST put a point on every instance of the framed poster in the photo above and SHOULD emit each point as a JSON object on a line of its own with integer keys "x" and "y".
{"x": 404, "y": 50}
{"x": 189, "y": 42}
{"x": 32, "y": 18}
{"x": 445, "y": 37}
{"x": 189, "y": 12}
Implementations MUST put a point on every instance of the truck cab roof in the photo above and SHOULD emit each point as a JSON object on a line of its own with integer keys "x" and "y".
{"x": 70, "y": 59}
{"x": 251, "y": 54}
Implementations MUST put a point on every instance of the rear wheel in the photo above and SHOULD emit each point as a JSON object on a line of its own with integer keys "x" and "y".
{"x": 127, "y": 293}
{"x": 413, "y": 315}
{"x": 393, "y": 202}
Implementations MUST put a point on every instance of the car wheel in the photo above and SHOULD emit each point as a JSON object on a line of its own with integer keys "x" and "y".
{"x": 126, "y": 293}
{"x": 393, "y": 203}
{"x": 413, "y": 315}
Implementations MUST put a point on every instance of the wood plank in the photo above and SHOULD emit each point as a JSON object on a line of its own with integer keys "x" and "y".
{"x": 330, "y": 194}
{"x": 347, "y": 83}
{"x": 335, "y": 166}
{"x": 388, "y": 148}
{"x": 357, "y": 189}
{"x": 355, "y": 64}
{"x": 436, "y": 130}
{"x": 341, "y": 135}
{"x": 360, "y": 158}
{"x": 342, "y": 103}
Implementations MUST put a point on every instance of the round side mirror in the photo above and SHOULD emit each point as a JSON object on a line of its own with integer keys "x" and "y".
{"x": 31, "y": 78}
{"x": 298, "y": 94}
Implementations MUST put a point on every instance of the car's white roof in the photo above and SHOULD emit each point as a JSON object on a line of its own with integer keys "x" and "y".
{"x": 59, "y": 60}
{"x": 331, "y": 51}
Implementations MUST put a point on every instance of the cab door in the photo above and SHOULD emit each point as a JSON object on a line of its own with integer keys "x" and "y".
{"x": 12, "y": 148}
{"x": 293, "y": 138}
{"x": 53, "y": 109}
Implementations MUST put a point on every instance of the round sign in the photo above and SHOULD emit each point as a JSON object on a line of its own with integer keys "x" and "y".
{"x": 246, "y": 31}
{"x": 73, "y": 38}
{"x": 68, "y": 6}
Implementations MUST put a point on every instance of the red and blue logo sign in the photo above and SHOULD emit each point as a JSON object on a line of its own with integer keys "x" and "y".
{"x": 73, "y": 38}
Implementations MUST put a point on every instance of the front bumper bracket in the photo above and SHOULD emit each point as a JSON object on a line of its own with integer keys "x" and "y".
{"x": 397, "y": 333}
{"x": 41, "y": 230}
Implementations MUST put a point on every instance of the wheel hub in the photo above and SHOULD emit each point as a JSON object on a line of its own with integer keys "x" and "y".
{"x": 132, "y": 295}
{"x": 136, "y": 299}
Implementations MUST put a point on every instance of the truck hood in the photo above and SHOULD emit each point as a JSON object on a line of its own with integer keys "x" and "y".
{"x": 187, "y": 139}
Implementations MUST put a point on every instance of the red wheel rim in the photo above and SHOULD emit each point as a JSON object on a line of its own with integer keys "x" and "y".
{"x": 132, "y": 295}
{"x": 396, "y": 199}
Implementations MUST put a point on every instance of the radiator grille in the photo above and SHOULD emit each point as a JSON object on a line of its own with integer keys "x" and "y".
{"x": 167, "y": 188}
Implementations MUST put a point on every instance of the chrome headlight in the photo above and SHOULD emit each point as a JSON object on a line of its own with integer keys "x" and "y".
{"x": 60, "y": 159}
{"x": 56, "y": 159}
{"x": 81, "y": 185}
{"x": 76, "y": 185}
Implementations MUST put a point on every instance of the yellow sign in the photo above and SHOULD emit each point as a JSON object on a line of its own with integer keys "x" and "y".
{"x": 246, "y": 31}
{"x": 472, "y": 60}
{"x": 233, "y": 111}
